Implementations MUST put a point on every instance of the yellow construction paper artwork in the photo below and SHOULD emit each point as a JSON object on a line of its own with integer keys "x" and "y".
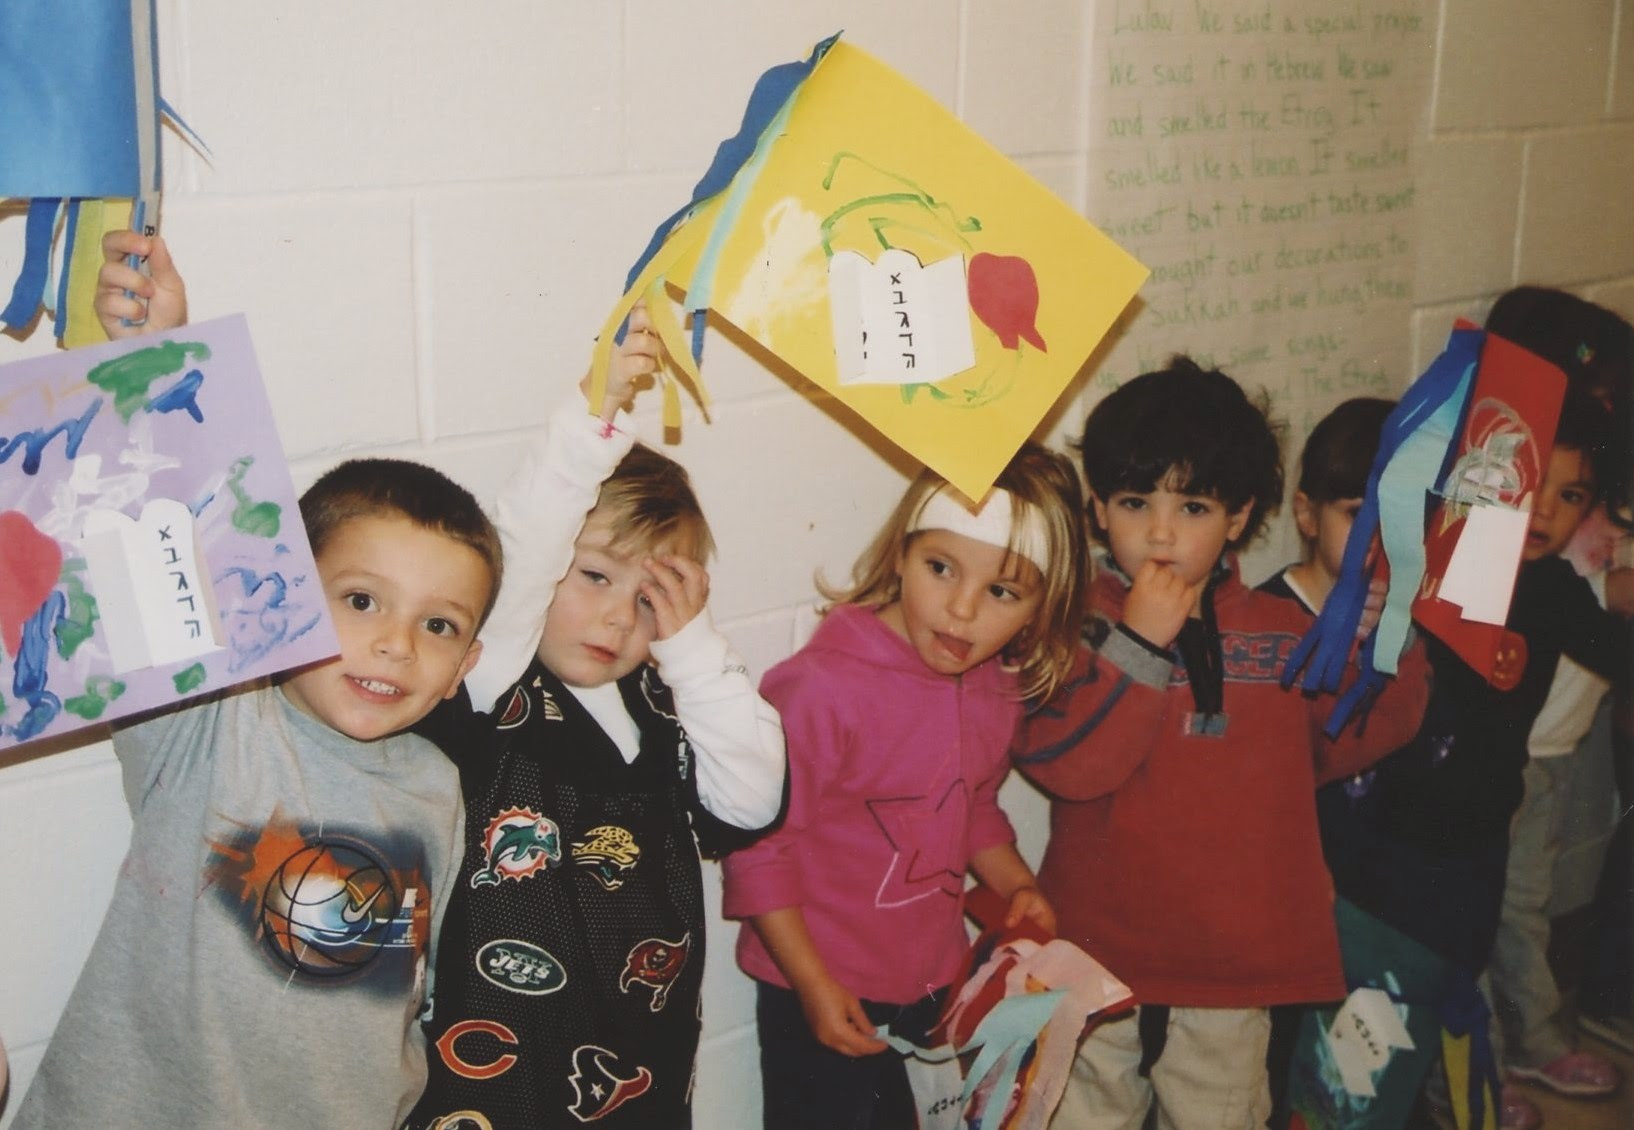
{"x": 903, "y": 265}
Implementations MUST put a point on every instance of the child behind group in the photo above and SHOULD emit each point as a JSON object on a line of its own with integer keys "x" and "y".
{"x": 1592, "y": 346}
{"x": 899, "y": 714}
{"x": 569, "y": 967}
{"x": 221, "y": 990}
{"x": 1183, "y": 847}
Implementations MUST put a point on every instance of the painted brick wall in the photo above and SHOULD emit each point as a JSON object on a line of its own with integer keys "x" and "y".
{"x": 427, "y": 208}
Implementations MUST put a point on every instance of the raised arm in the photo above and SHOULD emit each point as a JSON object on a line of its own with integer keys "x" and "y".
{"x": 543, "y": 506}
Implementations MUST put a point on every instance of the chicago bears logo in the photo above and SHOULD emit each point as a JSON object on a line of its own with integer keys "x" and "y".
{"x": 609, "y": 852}
{"x": 655, "y": 964}
{"x": 517, "y": 843}
{"x": 487, "y": 1067}
{"x": 598, "y": 1089}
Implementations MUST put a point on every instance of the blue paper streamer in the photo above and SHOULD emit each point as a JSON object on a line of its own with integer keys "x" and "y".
{"x": 29, "y": 289}
{"x": 1415, "y": 448}
{"x": 773, "y": 92}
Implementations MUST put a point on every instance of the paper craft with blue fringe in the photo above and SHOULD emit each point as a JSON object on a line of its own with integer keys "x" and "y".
{"x": 1428, "y": 452}
{"x": 79, "y": 96}
{"x": 861, "y": 234}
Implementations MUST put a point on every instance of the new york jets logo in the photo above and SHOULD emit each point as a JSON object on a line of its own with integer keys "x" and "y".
{"x": 520, "y": 967}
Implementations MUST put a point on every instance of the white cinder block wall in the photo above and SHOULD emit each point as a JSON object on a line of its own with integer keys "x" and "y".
{"x": 426, "y": 209}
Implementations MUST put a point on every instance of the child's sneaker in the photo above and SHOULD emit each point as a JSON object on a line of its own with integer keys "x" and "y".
{"x": 1578, "y": 1075}
{"x": 1617, "y": 1031}
{"x": 1516, "y": 1111}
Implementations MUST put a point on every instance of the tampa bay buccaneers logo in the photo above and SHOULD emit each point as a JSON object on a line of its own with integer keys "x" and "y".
{"x": 519, "y": 707}
{"x": 609, "y": 852}
{"x": 655, "y": 964}
{"x": 598, "y": 1087}
{"x": 517, "y": 843}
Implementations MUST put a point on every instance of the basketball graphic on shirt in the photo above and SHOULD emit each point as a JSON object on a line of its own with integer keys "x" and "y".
{"x": 327, "y": 910}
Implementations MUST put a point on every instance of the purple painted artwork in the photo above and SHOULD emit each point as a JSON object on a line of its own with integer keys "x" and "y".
{"x": 150, "y": 545}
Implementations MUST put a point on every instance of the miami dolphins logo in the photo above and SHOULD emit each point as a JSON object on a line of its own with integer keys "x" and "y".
{"x": 598, "y": 1089}
{"x": 609, "y": 852}
{"x": 517, "y": 843}
{"x": 655, "y": 964}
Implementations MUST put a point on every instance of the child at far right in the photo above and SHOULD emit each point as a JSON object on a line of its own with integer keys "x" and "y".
{"x": 1592, "y": 346}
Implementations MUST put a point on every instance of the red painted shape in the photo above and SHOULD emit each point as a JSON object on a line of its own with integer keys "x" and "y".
{"x": 1004, "y": 295}
{"x": 30, "y": 564}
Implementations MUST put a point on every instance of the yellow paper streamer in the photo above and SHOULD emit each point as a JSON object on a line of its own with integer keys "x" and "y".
{"x": 96, "y": 219}
{"x": 1455, "y": 1056}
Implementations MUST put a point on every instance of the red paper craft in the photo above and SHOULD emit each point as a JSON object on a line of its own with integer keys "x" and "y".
{"x": 1502, "y": 454}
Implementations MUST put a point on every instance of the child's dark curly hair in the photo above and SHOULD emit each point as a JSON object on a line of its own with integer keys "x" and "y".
{"x": 1187, "y": 429}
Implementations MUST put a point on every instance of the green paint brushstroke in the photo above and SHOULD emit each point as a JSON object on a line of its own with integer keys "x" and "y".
{"x": 100, "y": 690}
{"x": 78, "y": 623}
{"x": 189, "y": 679}
{"x": 128, "y": 377}
{"x": 258, "y": 519}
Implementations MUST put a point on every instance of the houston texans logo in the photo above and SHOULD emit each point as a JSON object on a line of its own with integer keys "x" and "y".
{"x": 655, "y": 964}
{"x": 598, "y": 1089}
{"x": 517, "y": 843}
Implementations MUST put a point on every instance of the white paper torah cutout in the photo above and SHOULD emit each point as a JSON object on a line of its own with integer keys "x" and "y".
{"x": 150, "y": 585}
{"x": 896, "y": 322}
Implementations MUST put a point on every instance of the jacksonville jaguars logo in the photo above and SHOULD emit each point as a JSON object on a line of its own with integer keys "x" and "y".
{"x": 610, "y": 852}
{"x": 598, "y": 1088}
{"x": 517, "y": 843}
{"x": 655, "y": 964}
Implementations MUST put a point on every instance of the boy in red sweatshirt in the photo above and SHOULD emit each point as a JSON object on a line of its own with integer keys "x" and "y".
{"x": 1183, "y": 845}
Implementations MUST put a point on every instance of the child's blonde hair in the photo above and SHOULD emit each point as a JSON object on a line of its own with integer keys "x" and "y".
{"x": 649, "y": 502}
{"x": 1040, "y": 483}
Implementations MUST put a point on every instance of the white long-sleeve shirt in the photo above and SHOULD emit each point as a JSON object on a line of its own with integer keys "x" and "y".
{"x": 736, "y": 734}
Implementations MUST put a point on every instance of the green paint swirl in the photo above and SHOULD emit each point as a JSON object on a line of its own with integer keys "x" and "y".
{"x": 128, "y": 377}
{"x": 189, "y": 679}
{"x": 100, "y": 690}
{"x": 258, "y": 519}
{"x": 78, "y": 623}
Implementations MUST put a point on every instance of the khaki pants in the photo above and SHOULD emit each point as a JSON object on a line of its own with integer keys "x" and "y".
{"x": 1211, "y": 1075}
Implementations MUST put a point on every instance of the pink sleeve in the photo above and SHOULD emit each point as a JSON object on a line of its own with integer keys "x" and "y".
{"x": 769, "y": 874}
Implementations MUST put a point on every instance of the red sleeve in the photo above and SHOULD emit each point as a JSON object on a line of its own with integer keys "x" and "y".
{"x": 1391, "y": 723}
{"x": 1095, "y": 732}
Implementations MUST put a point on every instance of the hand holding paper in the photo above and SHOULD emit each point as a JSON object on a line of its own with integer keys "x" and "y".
{"x": 129, "y": 302}
{"x": 639, "y": 356}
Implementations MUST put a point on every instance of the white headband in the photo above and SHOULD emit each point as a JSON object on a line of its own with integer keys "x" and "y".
{"x": 992, "y": 524}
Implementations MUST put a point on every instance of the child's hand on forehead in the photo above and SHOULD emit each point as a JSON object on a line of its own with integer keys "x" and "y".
{"x": 677, "y": 588}
{"x": 635, "y": 359}
{"x": 1158, "y": 603}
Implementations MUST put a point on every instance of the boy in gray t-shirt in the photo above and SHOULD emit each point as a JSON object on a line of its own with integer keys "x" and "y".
{"x": 263, "y": 958}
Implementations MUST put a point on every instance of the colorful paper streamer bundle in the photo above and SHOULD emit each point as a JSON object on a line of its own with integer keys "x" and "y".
{"x": 1474, "y": 431}
{"x": 79, "y": 96}
{"x": 860, "y": 233}
{"x": 1017, "y": 1014}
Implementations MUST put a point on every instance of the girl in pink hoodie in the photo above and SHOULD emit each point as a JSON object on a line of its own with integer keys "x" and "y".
{"x": 899, "y": 715}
